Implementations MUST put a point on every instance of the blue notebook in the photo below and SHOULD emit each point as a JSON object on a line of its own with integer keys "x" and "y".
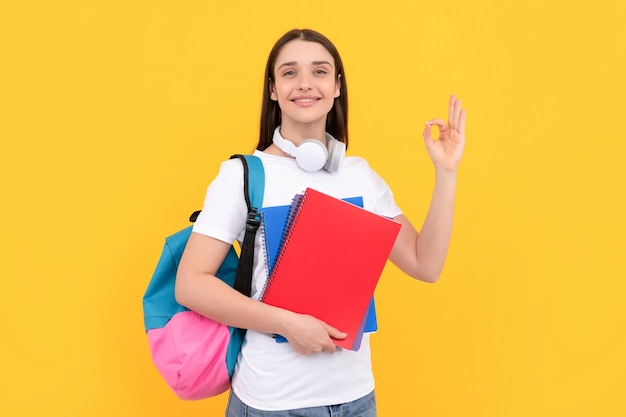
{"x": 274, "y": 221}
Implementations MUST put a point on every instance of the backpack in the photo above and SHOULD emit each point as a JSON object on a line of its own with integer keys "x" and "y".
{"x": 194, "y": 354}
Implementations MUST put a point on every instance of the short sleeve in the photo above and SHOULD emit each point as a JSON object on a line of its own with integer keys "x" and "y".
{"x": 384, "y": 202}
{"x": 224, "y": 211}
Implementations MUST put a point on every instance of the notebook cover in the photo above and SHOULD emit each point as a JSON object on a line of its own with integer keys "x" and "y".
{"x": 330, "y": 262}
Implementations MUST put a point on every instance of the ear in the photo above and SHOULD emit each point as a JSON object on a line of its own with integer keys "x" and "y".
{"x": 338, "y": 86}
{"x": 273, "y": 95}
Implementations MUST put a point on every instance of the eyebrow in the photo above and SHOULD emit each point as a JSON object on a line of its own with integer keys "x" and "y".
{"x": 293, "y": 63}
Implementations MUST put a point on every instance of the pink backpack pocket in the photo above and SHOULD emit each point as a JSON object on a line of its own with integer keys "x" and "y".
{"x": 190, "y": 352}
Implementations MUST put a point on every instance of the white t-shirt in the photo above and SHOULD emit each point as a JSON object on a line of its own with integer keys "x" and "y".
{"x": 269, "y": 375}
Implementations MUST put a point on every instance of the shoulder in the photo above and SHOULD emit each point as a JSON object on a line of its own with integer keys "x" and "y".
{"x": 355, "y": 163}
{"x": 233, "y": 165}
{"x": 358, "y": 166}
{"x": 230, "y": 171}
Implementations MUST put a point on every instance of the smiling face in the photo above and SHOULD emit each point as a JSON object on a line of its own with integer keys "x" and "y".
{"x": 305, "y": 85}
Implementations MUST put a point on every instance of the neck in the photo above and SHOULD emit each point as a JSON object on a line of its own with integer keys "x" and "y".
{"x": 297, "y": 132}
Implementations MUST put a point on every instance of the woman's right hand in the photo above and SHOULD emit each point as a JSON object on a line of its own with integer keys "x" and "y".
{"x": 446, "y": 151}
{"x": 308, "y": 335}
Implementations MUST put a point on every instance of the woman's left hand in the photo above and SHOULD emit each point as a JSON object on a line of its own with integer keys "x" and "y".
{"x": 446, "y": 151}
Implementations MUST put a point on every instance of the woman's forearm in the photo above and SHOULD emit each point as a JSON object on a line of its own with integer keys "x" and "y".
{"x": 211, "y": 297}
{"x": 434, "y": 238}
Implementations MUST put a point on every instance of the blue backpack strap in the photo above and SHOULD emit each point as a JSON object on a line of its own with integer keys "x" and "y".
{"x": 254, "y": 187}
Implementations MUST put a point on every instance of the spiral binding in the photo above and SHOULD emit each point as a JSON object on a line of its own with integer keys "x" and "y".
{"x": 292, "y": 218}
{"x": 264, "y": 239}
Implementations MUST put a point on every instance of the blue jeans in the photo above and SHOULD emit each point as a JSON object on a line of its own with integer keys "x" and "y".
{"x": 363, "y": 407}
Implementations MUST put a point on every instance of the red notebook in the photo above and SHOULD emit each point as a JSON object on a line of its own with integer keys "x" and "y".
{"x": 330, "y": 260}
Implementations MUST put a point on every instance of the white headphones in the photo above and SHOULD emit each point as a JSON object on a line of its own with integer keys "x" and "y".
{"x": 312, "y": 155}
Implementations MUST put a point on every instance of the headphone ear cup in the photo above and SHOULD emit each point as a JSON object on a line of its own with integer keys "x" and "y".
{"x": 336, "y": 152}
{"x": 312, "y": 155}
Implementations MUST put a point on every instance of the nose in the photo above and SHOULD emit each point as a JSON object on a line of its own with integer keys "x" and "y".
{"x": 304, "y": 82}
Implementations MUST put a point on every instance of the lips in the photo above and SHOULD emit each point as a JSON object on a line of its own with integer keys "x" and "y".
{"x": 305, "y": 100}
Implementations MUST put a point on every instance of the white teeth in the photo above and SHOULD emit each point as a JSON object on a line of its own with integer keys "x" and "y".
{"x": 305, "y": 100}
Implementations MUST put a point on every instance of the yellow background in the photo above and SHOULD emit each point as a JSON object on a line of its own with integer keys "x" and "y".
{"x": 115, "y": 115}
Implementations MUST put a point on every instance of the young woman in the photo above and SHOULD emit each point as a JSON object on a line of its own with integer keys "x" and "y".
{"x": 305, "y": 97}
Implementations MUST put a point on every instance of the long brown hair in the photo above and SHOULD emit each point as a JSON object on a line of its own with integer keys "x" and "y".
{"x": 337, "y": 120}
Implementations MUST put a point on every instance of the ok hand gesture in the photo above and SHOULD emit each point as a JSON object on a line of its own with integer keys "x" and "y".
{"x": 446, "y": 151}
